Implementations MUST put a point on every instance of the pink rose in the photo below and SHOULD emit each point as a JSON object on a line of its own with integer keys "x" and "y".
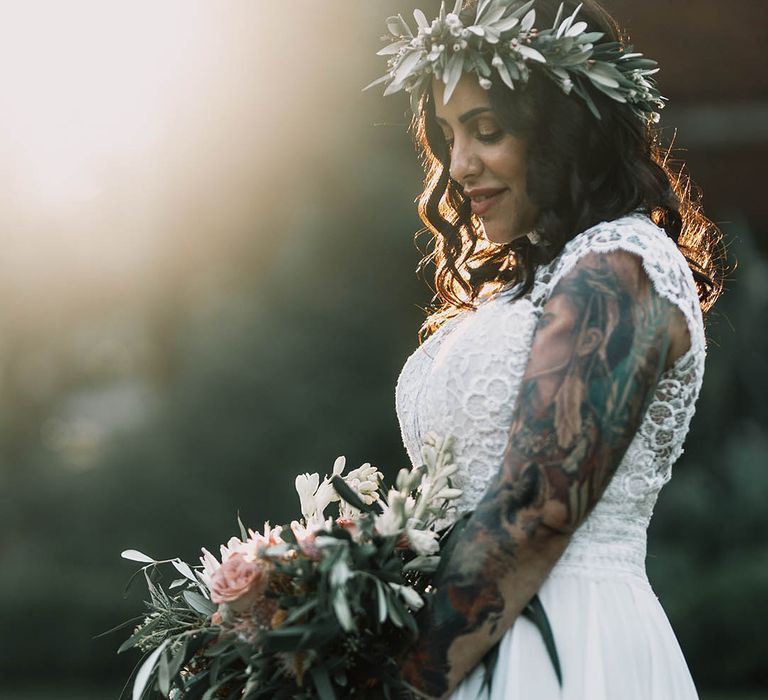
{"x": 238, "y": 583}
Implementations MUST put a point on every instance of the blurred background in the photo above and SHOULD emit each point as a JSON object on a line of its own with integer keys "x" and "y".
{"x": 207, "y": 286}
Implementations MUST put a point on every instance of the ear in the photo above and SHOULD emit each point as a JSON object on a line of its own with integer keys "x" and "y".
{"x": 588, "y": 341}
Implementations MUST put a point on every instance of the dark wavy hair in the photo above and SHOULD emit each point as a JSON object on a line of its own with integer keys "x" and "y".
{"x": 580, "y": 171}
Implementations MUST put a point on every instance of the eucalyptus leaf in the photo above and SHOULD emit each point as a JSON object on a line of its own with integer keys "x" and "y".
{"x": 398, "y": 26}
{"x": 523, "y": 9}
{"x": 378, "y": 81}
{"x": 347, "y": 493}
{"x": 506, "y": 24}
{"x": 454, "y": 75}
{"x": 494, "y": 15}
{"x": 391, "y": 49}
{"x": 575, "y": 59}
{"x": 178, "y": 658}
{"x": 342, "y": 610}
{"x": 576, "y": 29}
{"x": 404, "y": 68}
{"x": 421, "y": 18}
{"x": 184, "y": 569}
{"x": 566, "y": 25}
{"x": 163, "y": 674}
{"x": 145, "y": 672}
{"x": 381, "y": 598}
{"x": 322, "y": 683}
{"x": 136, "y": 555}
{"x": 531, "y": 54}
{"x": 528, "y": 21}
{"x": 482, "y": 6}
{"x": 395, "y": 615}
{"x": 558, "y": 16}
{"x": 592, "y": 37}
{"x": 198, "y": 603}
{"x": 611, "y": 92}
{"x": 131, "y": 642}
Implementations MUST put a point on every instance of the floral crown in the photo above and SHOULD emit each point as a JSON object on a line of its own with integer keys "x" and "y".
{"x": 508, "y": 42}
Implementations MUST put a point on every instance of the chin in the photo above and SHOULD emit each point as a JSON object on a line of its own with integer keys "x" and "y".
{"x": 496, "y": 234}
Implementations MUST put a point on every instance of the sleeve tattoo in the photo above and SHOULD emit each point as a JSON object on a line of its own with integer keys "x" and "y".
{"x": 598, "y": 351}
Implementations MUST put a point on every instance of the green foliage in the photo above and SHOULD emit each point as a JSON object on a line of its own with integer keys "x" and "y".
{"x": 568, "y": 54}
{"x": 707, "y": 558}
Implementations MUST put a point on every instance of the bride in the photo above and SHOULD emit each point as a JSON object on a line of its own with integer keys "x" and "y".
{"x": 566, "y": 353}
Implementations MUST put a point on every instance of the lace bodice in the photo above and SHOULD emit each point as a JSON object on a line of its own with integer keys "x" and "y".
{"x": 463, "y": 381}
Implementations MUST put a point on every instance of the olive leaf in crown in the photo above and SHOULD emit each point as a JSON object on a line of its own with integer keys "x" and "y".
{"x": 508, "y": 43}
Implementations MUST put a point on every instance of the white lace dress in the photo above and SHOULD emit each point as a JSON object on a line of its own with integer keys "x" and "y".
{"x": 612, "y": 635}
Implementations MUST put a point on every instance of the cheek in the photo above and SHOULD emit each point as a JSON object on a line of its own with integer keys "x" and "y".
{"x": 511, "y": 161}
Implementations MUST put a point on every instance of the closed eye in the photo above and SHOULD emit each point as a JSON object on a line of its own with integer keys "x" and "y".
{"x": 490, "y": 138}
{"x": 483, "y": 138}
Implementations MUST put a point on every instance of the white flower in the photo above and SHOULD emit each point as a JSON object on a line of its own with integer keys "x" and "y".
{"x": 411, "y": 597}
{"x": 306, "y": 535}
{"x": 210, "y": 566}
{"x": 306, "y": 485}
{"x": 314, "y": 495}
{"x": 365, "y": 482}
{"x": 423, "y": 542}
{"x": 257, "y": 543}
{"x": 388, "y": 523}
{"x": 392, "y": 518}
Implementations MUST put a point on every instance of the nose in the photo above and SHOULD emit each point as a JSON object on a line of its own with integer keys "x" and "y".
{"x": 465, "y": 163}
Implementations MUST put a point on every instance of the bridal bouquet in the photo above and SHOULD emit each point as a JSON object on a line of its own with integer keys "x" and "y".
{"x": 319, "y": 608}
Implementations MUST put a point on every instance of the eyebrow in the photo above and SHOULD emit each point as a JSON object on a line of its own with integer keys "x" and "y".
{"x": 467, "y": 115}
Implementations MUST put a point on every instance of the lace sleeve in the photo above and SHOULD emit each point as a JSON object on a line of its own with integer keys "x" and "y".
{"x": 659, "y": 442}
{"x": 664, "y": 264}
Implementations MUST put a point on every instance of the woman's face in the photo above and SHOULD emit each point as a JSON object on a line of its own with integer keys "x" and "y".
{"x": 489, "y": 163}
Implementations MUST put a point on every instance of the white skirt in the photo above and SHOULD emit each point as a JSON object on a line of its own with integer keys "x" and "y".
{"x": 613, "y": 639}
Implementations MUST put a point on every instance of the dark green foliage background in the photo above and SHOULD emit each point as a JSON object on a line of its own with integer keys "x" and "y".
{"x": 278, "y": 350}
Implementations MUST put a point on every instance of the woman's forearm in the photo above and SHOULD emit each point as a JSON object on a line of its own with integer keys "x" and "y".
{"x": 500, "y": 561}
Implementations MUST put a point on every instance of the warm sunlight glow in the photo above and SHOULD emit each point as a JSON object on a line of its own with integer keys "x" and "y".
{"x": 87, "y": 82}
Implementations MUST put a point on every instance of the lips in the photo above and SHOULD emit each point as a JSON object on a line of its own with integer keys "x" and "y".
{"x": 484, "y": 199}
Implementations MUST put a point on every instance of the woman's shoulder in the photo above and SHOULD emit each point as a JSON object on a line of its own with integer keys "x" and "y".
{"x": 633, "y": 233}
{"x": 663, "y": 263}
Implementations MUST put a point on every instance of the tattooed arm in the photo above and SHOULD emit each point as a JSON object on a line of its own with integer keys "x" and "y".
{"x": 602, "y": 341}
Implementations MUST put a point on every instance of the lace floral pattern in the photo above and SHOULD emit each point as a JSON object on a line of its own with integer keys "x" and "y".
{"x": 463, "y": 381}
